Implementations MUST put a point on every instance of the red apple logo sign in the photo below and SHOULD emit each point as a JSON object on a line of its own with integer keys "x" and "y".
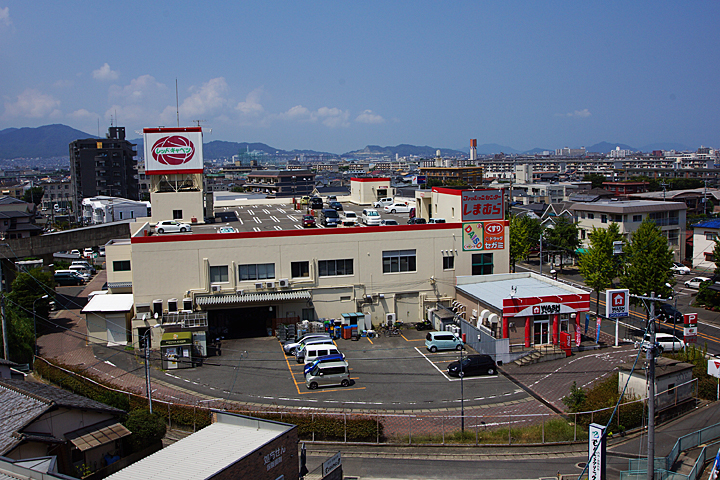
{"x": 173, "y": 150}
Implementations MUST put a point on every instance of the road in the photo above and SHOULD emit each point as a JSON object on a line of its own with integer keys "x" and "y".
{"x": 633, "y": 326}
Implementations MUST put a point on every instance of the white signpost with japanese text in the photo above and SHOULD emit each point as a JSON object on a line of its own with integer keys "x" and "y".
{"x": 596, "y": 452}
{"x": 617, "y": 305}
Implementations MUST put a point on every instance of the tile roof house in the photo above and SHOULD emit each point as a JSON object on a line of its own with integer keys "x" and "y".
{"x": 38, "y": 420}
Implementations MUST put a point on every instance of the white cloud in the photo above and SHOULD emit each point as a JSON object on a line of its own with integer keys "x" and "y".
{"x": 369, "y": 117}
{"x": 208, "y": 99}
{"x": 140, "y": 90}
{"x": 32, "y": 104}
{"x": 577, "y": 113}
{"x": 105, "y": 73}
{"x": 63, "y": 84}
{"x": 298, "y": 112}
{"x": 251, "y": 105}
{"x": 333, "y": 117}
{"x": 5, "y": 16}
{"x": 82, "y": 114}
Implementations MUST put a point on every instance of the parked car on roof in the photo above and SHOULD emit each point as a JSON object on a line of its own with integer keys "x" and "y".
{"x": 383, "y": 201}
{"x": 436, "y": 220}
{"x": 396, "y": 208}
{"x": 680, "y": 269}
{"x": 68, "y": 277}
{"x": 389, "y": 221}
{"x": 336, "y": 205}
{"x": 416, "y": 221}
{"x": 696, "y": 282}
{"x": 370, "y": 216}
{"x": 172, "y": 226}
{"x": 308, "y": 221}
{"x": 86, "y": 264}
{"x": 227, "y": 229}
{"x": 329, "y": 217}
{"x": 349, "y": 219}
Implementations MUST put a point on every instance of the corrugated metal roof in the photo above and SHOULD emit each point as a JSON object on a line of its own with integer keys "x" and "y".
{"x": 252, "y": 297}
{"x": 204, "y": 453}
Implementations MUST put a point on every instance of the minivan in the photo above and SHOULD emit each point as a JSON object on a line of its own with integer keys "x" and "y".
{"x": 435, "y": 341}
{"x": 322, "y": 359}
{"x": 85, "y": 264}
{"x": 328, "y": 373}
{"x": 289, "y": 347}
{"x": 67, "y": 277}
{"x": 316, "y": 203}
{"x": 311, "y": 352}
{"x": 82, "y": 270}
{"x": 329, "y": 217}
{"x": 300, "y": 351}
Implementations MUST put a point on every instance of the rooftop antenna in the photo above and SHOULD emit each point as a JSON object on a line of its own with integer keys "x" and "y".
{"x": 198, "y": 122}
{"x": 177, "y": 102}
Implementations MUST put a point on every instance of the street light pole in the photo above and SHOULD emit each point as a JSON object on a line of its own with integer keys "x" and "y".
{"x": 35, "y": 350}
{"x": 462, "y": 394}
{"x": 147, "y": 338}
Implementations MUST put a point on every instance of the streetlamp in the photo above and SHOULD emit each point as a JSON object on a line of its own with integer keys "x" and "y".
{"x": 146, "y": 339}
{"x": 35, "y": 350}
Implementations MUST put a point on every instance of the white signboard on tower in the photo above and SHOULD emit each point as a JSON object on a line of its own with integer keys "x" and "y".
{"x": 714, "y": 367}
{"x": 617, "y": 303}
{"x": 173, "y": 150}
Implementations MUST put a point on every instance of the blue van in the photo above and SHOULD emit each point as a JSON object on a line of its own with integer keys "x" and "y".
{"x": 435, "y": 341}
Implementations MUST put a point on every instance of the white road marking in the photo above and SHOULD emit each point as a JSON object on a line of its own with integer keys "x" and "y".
{"x": 274, "y": 219}
{"x": 256, "y": 229}
{"x": 257, "y": 220}
{"x": 277, "y": 227}
{"x": 266, "y": 211}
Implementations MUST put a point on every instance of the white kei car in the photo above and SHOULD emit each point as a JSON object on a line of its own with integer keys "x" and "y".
{"x": 172, "y": 226}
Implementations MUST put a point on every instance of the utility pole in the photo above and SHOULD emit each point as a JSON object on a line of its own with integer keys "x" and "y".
{"x": 6, "y": 347}
{"x": 541, "y": 235}
{"x": 650, "y": 369}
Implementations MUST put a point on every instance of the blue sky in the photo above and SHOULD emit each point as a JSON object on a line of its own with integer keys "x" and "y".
{"x": 336, "y": 76}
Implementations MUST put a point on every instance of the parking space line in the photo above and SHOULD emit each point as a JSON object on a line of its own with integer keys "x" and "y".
{"x": 257, "y": 220}
{"x": 256, "y": 229}
{"x": 431, "y": 363}
{"x": 371, "y": 342}
{"x": 250, "y": 212}
{"x": 407, "y": 340}
{"x": 297, "y": 387}
{"x": 266, "y": 211}
{"x": 299, "y": 227}
{"x": 277, "y": 227}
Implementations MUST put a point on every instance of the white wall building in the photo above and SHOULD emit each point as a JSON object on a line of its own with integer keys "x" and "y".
{"x": 104, "y": 209}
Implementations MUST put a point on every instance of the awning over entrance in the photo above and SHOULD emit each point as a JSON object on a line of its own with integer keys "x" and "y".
{"x": 234, "y": 299}
{"x": 176, "y": 338}
{"x": 94, "y": 436}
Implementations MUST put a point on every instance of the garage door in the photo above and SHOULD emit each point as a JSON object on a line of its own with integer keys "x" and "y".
{"x": 240, "y": 322}
{"x": 116, "y": 331}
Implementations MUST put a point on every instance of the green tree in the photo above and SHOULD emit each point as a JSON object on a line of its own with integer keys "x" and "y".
{"x": 524, "y": 235}
{"x": 563, "y": 237}
{"x": 147, "y": 428}
{"x": 596, "y": 179}
{"x": 33, "y": 195}
{"x": 648, "y": 259}
{"x": 598, "y": 265}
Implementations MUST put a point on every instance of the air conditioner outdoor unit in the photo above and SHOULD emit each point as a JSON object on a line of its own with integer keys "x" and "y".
{"x": 240, "y": 291}
{"x": 390, "y": 317}
{"x": 215, "y": 288}
{"x": 258, "y": 285}
{"x": 270, "y": 284}
{"x": 283, "y": 282}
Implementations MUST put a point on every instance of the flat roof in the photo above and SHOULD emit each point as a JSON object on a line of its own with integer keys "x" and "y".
{"x": 493, "y": 289}
{"x": 207, "y": 451}
{"x": 119, "y": 302}
{"x": 629, "y": 206}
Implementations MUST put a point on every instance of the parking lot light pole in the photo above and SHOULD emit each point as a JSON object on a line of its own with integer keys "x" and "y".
{"x": 35, "y": 350}
{"x": 462, "y": 395}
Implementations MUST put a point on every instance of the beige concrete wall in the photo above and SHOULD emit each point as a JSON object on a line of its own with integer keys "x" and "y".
{"x": 163, "y": 204}
{"x": 366, "y": 192}
{"x": 170, "y": 268}
{"x": 117, "y": 251}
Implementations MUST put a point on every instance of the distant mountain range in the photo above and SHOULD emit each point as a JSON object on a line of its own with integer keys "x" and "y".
{"x": 41, "y": 142}
{"x": 51, "y": 141}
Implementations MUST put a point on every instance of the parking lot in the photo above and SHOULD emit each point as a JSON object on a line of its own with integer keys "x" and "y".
{"x": 386, "y": 372}
{"x": 263, "y": 217}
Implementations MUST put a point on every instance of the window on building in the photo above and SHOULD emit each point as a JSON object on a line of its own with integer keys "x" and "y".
{"x": 308, "y": 314}
{"x": 671, "y": 389}
{"x": 603, "y": 218}
{"x": 219, "y": 274}
{"x": 710, "y": 236}
{"x": 332, "y": 268}
{"x": 637, "y": 218}
{"x": 177, "y": 214}
{"x": 260, "y": 271}
{"x": 399, "y": 261}
{"x": 591, "y": 216}
{"x": 121, "y": 266}
{"x": 673, "y": 237}
{"x": 482, "y": 264}
{"x": 709, "y": 257}
{"x": 448, "y": 263}
{"x": 300, "y": 269}
{"x": 582, "y": 234}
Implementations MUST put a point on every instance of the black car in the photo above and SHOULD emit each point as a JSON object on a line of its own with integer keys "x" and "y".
{"x": 316, "y": 203}
{"x": 416, "y": 221}
{"x": 336, "y": 205}
{"x": 667, "y": 312}
{"x": 473, "y": 365}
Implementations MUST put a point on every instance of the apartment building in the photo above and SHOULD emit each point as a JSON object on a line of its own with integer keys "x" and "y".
{"x": 629, "y": 214}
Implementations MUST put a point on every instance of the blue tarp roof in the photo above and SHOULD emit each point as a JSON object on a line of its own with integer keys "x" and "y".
{"x": 713, "y": 223}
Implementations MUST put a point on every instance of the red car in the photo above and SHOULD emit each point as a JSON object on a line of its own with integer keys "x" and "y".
{"x": 308, "y": 221}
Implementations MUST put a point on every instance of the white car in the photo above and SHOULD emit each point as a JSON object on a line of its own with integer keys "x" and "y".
{"x": 680, "y": 269}
{"x": 370, "y": 216}
{"x": 383, "y": 202}
{"x": 665, "y": 342}
{"x": 172, "y": 226}
{"x": 436, "y": 220}
{"x": 397, "y": 208}
{"x": 696, "y": 282}
{"x": 349, "y": 219}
